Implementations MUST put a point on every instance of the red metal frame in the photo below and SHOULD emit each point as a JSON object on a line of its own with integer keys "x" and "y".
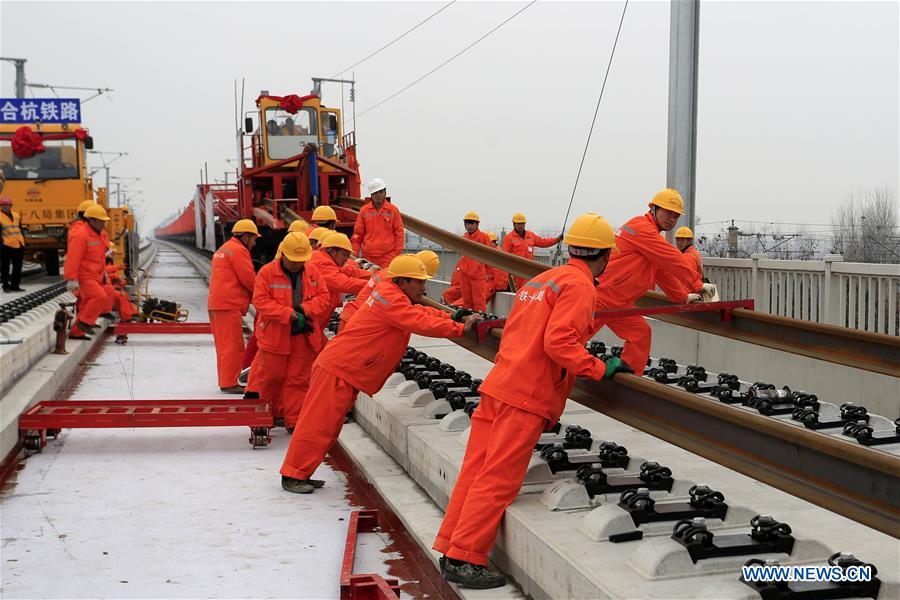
{"x": 95, "y": 414}
{"x": 724, "y": 308}
{"x": 368, "y": 586}
{"x": 126, "y": 328}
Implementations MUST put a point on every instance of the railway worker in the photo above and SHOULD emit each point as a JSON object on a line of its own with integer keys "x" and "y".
{"x": 316, "y": 234}
{"x": 522, "y": 242}
{"x": 115, "y": 288}
{"x": 231, "y": 285}
{"x": 378, "y": 234}
{"x": 473, "y": 273}
{"x": 541, "y": 353}
{"x": 361, "y": 358}
{"x": 13, "y": 244}
{"x": 323, "y": 216}
{"x": 293, "y": 305}
{"x": 330, "y": 258}
{"x": 646, "y": 260}
{"x": 453, "y": 294}
{"x": 84, "y": 269}
{"x": 79, "y": 221}
{"x": 684, "y": 241}
{"x": 428, "y": 257}
{"x": 496, "y": 280}
{"x": 299, "y": 226}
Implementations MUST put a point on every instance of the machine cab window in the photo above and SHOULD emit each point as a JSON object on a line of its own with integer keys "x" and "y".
{"x": 330, "y": 133}
{"x": 58, "y": 161}
{"x": 287, "y": 134}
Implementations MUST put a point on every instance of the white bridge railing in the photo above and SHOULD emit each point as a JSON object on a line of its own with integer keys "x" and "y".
{"x": 857, "y": 295}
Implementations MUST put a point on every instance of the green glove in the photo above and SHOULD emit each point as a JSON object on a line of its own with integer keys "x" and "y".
{"x": 616, "y": 365}
{"x": 298, "y": 326}
{"x": 461, "y": 313}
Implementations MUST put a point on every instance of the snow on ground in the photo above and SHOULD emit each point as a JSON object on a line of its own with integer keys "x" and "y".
{"x": 170, "y": 513}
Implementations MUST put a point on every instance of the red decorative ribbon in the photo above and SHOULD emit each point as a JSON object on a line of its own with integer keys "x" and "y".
{"x": 26, "y": 143}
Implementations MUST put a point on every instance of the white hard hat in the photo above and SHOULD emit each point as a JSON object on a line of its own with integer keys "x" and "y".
{"x": 376, "y": 185}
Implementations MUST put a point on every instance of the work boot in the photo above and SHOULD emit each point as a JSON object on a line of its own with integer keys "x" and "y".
{"x": 109, "y": 316}
{"x": 16, "y": 288}
{"x": 83, "y": 336}
{"x": 85, "y": 327}
{"x": 278, "y": 422}
{"x": 297, "y": 486}
{"x": 251, "y": 395}
{"x": 234, "y": 389}
{"x": 316, "y": 483}
{"x": 471, "y": 576}
{"x": 290, "y": 430}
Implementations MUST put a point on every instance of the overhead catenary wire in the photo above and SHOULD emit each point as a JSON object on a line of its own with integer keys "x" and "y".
{"x": 449, "y": 60}
{"x": 396, "y": 39}
{"x": 587, "y": 142}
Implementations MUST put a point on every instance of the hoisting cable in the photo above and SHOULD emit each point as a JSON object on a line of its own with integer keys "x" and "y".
{"x": 396, "y": 39}
{"x": 458, "y": 54}
{"x": 587, "y": 143}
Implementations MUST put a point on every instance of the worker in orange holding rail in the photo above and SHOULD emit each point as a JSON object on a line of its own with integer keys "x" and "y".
{"x": 541, "y": 353}
{"x": 522, "y": 242}
{"x": 84, "y": 270}
{"x": 293, "y": 305}
{"x": 378, "y": 234}
{"x": 472, "y": 273}
{"x": 361, "y": 358}
{"x": 333, "y": 253}
{"x": 684, "y": 241}
{"x": 230, "y": 291}
{"x": 646, "y": 260}
{"x": 428, "y": 257}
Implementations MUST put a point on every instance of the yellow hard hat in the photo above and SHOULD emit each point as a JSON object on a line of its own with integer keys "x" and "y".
{"x": 684, "y": 232}
{"x": 299, "y": 226}
{"x": 472, "y": 216}
{"x": 407, "y": 265}
{"x": 324, "y": 213}
{"x": 668, "y": 199}
{"x": 518, "y": 218}
{"x": 244, "y": 226}
{"x": 336, "y": 239}
{"x": 318, "y": 233}
{"x": 590, "y": 230}
{"x": 295, "y": 247}
{"x": 96, "y": 212}
{"x": 85, "y": 205}
{"x": 431, "y": 261}
{"x": 491, "y": 235}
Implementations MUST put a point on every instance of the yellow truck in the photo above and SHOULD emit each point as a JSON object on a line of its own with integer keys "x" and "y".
{"x": 47, "y": 186}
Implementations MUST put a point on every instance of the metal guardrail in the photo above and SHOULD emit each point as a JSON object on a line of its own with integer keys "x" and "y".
{"x": 873, "y": 352}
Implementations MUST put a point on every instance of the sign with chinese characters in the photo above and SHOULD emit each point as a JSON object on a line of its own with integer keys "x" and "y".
{"x": 45, "y": 110}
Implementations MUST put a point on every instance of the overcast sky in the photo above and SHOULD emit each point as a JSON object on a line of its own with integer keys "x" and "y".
{"x": 798, "y": 101}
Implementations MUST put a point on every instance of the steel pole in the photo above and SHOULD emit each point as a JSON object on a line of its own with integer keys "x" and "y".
{"x": 684, "y": 41}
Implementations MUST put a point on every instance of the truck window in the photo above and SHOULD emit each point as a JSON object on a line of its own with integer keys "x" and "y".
{"x": 287, "y": 134}
{"x": 59, "y": 161}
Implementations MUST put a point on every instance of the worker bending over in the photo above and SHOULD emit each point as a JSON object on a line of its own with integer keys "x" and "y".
{"x": 378, "y": 234}
{"x": 429, "y": 258}
{"x": 361, "y": 358}
{"x": 330, "y": 258}
{"x": 115, "y": 288}
{"x": 541, "y": 353}
{"x": 495, "y": 280}
{"x": 684, "y": 241}
{"x": 231, "y": 284}
{"x": 472, "y": 273}
{"x": 646, "y": 260}
{"x": 522, "y": 242}
{"x": 292, "y": 301}
{"x": 84, "y": 270}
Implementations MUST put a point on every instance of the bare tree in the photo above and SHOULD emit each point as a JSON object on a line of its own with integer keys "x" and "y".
{"x": 866, "y": 227}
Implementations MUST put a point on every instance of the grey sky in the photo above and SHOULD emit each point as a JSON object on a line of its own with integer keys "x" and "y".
{"x": 798, "y": 100}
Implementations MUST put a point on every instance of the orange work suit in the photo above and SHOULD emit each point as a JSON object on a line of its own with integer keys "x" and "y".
{"x": 361, "y": 297}
{"x": 495, "y": 281}
{"x": 645, "y": 260}
{"x": 230, "y": 290}
{"x": 695, "y": 258}
{"x": 472, "y": 275}
{"x": 541, "y": 353}
{"x": 351, "y": 269}
{"x": 524, "y": 245}
{"x": 337, "y": 281}
{"x": 280, "y": 371}
{"x": 453, "y": 294}
{"x": 378, "y": 234}
{"x": 360, "y": 358}
{"x": 117, "y": 298}
{"x": 86, "y": 263}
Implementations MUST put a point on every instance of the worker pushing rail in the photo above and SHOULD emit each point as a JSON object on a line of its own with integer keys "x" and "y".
{"x": 522, "y": 242}
{"x": 684, "y": 241}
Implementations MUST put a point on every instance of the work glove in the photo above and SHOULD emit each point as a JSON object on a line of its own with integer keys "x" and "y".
{"x": 460, "y": 314}
{"x": 72, "y": 285}
{"x": 693, "y": 298}
{"x": 298, "y": 322}
{"x": 615, "y": 365}
{"x": 708, "y": 288}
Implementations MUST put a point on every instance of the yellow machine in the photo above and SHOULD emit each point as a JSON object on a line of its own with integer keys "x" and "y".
{"x": 47, "y": 188}
{"x": 121, "y": 231}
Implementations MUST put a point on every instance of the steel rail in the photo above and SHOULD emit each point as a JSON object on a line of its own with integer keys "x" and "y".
{"x": 858, "y": 482}
{"x": 874, "y": 352}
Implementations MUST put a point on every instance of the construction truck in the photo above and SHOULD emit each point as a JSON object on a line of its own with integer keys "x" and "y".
{"x": 42, "y": 155}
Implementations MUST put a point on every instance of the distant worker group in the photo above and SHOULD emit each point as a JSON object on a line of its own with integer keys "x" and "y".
{"x": 311, "y": 381}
